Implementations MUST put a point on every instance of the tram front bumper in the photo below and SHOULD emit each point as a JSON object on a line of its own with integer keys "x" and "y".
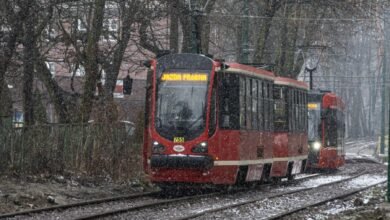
{"x": 181, "y": 161}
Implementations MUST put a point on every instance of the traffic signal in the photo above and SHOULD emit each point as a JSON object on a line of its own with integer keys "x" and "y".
{"x": 127, "y": 85}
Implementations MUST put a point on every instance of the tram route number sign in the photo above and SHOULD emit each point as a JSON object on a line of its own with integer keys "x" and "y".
{"x": 178, "y": 139}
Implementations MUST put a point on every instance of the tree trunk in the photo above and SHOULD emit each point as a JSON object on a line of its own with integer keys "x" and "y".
{"x": 57, "y": 95}
{"x": 205, "y": 27}
{"x": 284, "y": 38}
{"x": 28, "y": 65}
{"x": 174, "y": 26}
{"x": 91, "y": 64}
{"x": 270, "y": 10}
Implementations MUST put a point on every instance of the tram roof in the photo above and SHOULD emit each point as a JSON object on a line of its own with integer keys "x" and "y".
{"x": 331, "y": 100}
{"x": 249, "y": 70}
{"x": 291, "y": 82}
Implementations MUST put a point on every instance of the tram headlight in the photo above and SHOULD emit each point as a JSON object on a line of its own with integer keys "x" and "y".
{"x": 157, "y": 148}
{"x": 316, "y": 146}
{"x": 200, "y": 148}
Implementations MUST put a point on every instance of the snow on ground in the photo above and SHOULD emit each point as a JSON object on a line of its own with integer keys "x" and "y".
{"x": 359, "y": 156}
{"x": 364, "y": 181}
{"x": 314, "y": 182}
{"x": 322, "y": 180}
{"x": 338, "y": 208}
{"x": 304, "y": 175}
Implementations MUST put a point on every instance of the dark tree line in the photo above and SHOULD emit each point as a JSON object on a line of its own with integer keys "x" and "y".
{"x": 280, "y": 33}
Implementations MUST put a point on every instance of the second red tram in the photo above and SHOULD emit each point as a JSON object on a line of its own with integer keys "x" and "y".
{"x": 326, "y": 130}
{"x": 212, "y": 122}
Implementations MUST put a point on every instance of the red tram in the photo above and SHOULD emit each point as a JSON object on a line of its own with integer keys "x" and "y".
{"x": 326, "y": 130}
{"x": 212, "y": 122}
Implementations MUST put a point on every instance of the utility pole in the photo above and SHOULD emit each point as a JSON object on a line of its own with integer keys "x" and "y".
{"x": 245, "y": 34}
{"x": 383, "y": 94}
{"x": 386, "y": 37}
{"x": 383, "y": 91}
{"x": 311, "y": 75}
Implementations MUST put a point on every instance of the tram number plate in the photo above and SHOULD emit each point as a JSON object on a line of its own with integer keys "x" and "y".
{"x": 178, "y": 139}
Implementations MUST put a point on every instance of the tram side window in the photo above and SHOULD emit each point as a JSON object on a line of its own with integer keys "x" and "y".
{"x": 266, "y": 108}
{"x": 340, "y": 128}
{"x": 302, "y": 113}
{"x": 305, "y": 111}
{"x": 289, "y": 109}
{"x": 228, "y": 93}
{"x": 331, "y": 127}
{"x": 260, "y": 105}
{"x": 254, "y": 105}
{"x": 280, "y": 110}
{"x": 270, "y": 108}
{"x": 248, "y": 103}
{"x": 296, "y": 107}
{"x": 292, "y": 109}
{"x": 242, "y": 103}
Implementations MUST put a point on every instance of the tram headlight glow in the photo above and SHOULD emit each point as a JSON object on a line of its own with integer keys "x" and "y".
{"x": 157, "y": 148}
{"x": 200, "y": 148}
{"x": 316, "y": 146}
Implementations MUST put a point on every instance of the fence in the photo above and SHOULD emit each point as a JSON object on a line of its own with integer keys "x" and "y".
{"x": 91, "y": 149}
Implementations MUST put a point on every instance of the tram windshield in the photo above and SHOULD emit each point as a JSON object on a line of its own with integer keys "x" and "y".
{"x": 314, "y": 123}
{"x": 181, "y": 105}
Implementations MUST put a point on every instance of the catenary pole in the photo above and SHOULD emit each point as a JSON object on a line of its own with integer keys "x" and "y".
{"x": 386, "y": 37}
{"x": 245, "y": 34}
{"x": 383, "y": 94}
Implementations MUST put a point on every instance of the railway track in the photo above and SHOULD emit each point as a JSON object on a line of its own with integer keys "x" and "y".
{"x": 138, "y": 203}
{"x": 340, "y": 196}
{"x": 169, "y": 201}
{"x": 263, "y": 200}
{"x": 101, "y": 208}
{"x": 77, "y": 204}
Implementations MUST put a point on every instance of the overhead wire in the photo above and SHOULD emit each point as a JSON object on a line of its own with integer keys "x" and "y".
{"x": 288, "y": 18}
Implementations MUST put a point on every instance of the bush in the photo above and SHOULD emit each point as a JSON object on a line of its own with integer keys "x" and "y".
{"x": 94, "y": 149}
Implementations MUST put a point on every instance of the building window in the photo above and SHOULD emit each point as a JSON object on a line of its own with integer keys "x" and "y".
{"x": 111, "y": 4}
{"x": 5, "y": 28}
{"x": 18, "y": 119}
{"x": 51, "y": 66}
{"x": 80, "y": 71}
{"x": 111, "y": 24}
{"x": 118, "y": 91}
{"x": 103, "y": 77}
{"x": 81, "y": 25}
{"x": 50, "y": 33}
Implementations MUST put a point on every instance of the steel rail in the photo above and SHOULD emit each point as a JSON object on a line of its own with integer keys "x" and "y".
{"x": 156, "y": 203}
{"x": 125, "y": 197}
{"x": 344, "y": 195}
{"x": 78, "y": 204}
{"x": 198, "y": 214}
{"x": 145, "y": 205}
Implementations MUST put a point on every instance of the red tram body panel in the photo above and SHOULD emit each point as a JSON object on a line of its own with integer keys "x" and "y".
{"x": 211, "y": 122}
{"x": 290, "y": 136}
{"x": 326, "y": 130}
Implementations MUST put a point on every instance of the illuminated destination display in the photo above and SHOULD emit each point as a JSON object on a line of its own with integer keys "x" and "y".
{"x": 312, "y": 105}
{"x": 184, "y": 77}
